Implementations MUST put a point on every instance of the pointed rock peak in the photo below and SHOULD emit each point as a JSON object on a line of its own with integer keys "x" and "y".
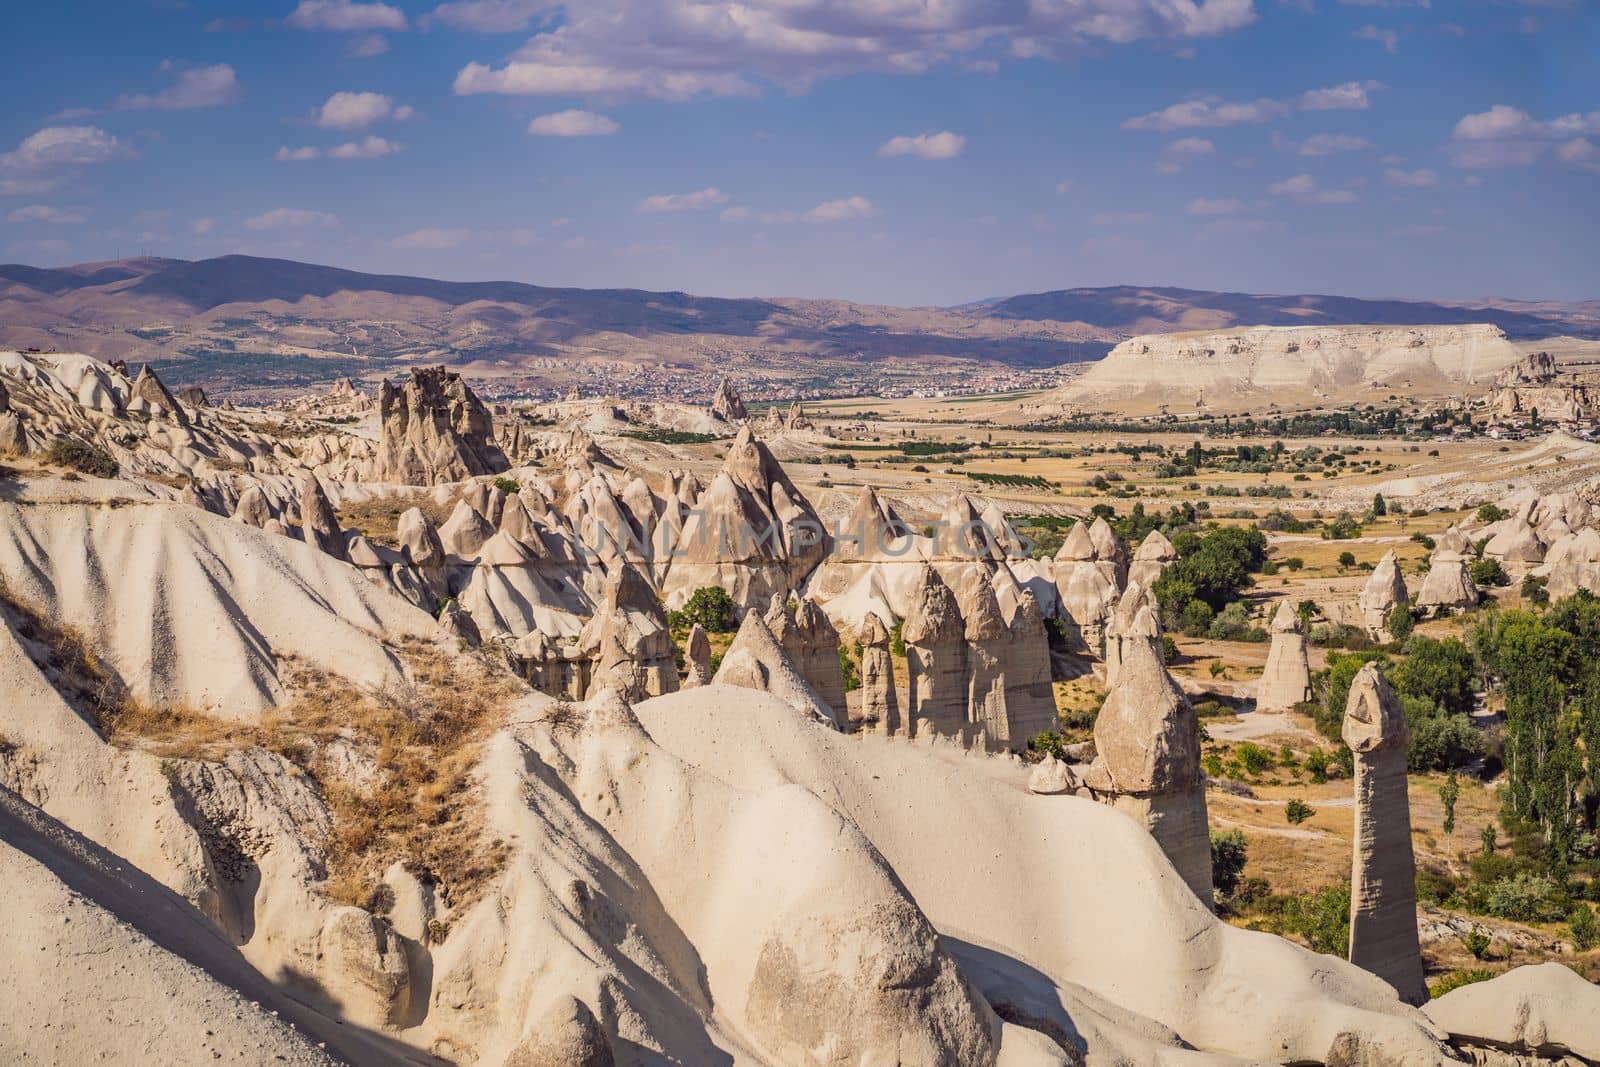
{"x": 318, "y": 521}
{"x": 1373, "y": 717}
{"x": 418, "y": 538}
{"x": 873, "y": 631}
{"x": 1155, "y": 548}
{"x": 1146, "y": 733}
{"x": 150, "y": 389}
{"x": 756, "y": 660}
{"x": 1286, "y": 620}
{"x": 1077, "y": 546}
{"x": 727, "y": 403}
{"x": 1105, "y": 540}
{"x": 699, "y": 645}
{"x": 629, "y": 590}
{"x": 814, "y": 622}
{"x": 1029, "y": 615}
{"x": 981, "y": 612}
{"x": 503, "y": 550}
{"x": 934, "y": 618}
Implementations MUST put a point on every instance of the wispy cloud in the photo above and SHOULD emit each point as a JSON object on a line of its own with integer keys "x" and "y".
{"x": 1411, "y": 179}
{"x": 842, "y": 210}
{"x": 46, "y": 213}
{"x": 1208, "y": 113}
{"x": 1351, "y": 96}
{"x": 1304, "y": 188}
{"x": 487, "y": 16}
{"x": 1386, "y": 37}
{"x": 1327, "y": 144}
{"x": 197, "y": 87}
{"x": 698, "y": 200}
{"x": 1203, "y": 206}
{"x": 432, "y": 238}
{"x": 1182, "y": 152}
{"x": 1506, "y": 136}
{"x": 573, "y": 123}
{"x": 290, "y": 218}
{"x": 64, "y": 146}
{"x": 345, "y": 15}
{"x": 941, "y": 145}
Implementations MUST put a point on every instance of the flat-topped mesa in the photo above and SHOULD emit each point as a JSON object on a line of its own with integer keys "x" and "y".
{"x": 1383, "y": 898}
{"x": 727, "y": 404}
{"x": 319, "y": 525}
{"x": 697, "y": 659}
{"x": 1136, "y": 619}
{"x": 1147, "y": 764}
{"x": 1286, "y": 680}
{"x": 434, "y": 429}
{"x": 1385, "y": 589}
{"x": 751, "y": 533}
{"x": 1154, "y": 555}
{"x": 812, "y": 644}
{"x": 936, "y": 659}
{"x": 880, "y": 702}
{"x": 757, "y": 661}
{"x": 632, "y": 646}
{"x": 1243, "y": 367}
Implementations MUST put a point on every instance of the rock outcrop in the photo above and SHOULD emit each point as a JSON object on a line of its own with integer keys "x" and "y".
{"x": 632, "y": 646}
{"x": 1383, "y": 896}
{"x": 1137, "y": 618}
{"x": 319, "y": 525}
{"x": 813, "y": 645}
{"x": 434, "y": 429}
{"x": 1448, "y": 583}
{"x": 697, "y": 658}
{"x": 1545, "y": 1010}
{"x": 1147, "y": 764}
{"x": 727, "y": 404}
{"x": 757, "y": 661}
{"x": 1154, "y": 555}
{"x": 936, "y": 660}
{"x": 880, "y": 702}
{"x": 1385, "y": 589}
{"x": 1286, "y": 680}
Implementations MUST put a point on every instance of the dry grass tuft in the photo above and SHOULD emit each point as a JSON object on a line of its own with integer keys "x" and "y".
{"x": 379, "y": 519}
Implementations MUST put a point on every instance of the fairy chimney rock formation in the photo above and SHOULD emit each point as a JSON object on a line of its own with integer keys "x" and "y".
{"x": 1147, "y": 764}
{"x": 318, "y": 523}
{"x": 756, "y": 660}
{"x": 1109, "y": 550}
{"x": 727, "y": 404}
{"x": 1448, "y": 584}
{"x": 148, "y": 388}
{"x": 1384, "y": 590}
{"x": 1030, "y": 694}
{"x": 1383, "y": 898}
{"x": 1286, "y": 681}
{"x": 989, "y": 664}
{"x": 1135, "y": 620}
{"x": 1153, "y": 556}
{"x": 880, "y": 703}
{"x": 812, "y": 644}
{"x": 697, "y": 659}
{"x": 434, "y": 429}
{"x": 936, "y": 658}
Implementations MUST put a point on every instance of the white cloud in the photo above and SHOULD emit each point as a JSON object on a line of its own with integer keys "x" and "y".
{"x": 1411, "y": 179}
{"x": 941, "y": 145}
{"x": 367, "y": 46}
{"x": 1506, "y": 136}
{"x": 1203, "y": 206}
{"x": 203, "y": 226}
{"x": 352, "y": 111}
{"x": 1351, "y": 96}
{"x": 1182, "y": 152}
{"x": 1386, "y": 37}
{"x": 286, "y": 154}
{"x": 1304, "y": 188}
{"x": 680, "y": 49}
{"x": 1064, "y": 186}
{"x": 345, "y": 15}
{"x": 46, "y": 213}
{"x": 213, "y": 86}
{"x": 432, "y": 238}
{"x": 368, "y": 147}
{"x": 289, "y": 217}
{"x": 841, "y": 210}
{"x": 64, "y": 146}
{"x": 25, "y": 186}
{"x": 698, "y": 200}
{"x": 1209, "y": 113}
{"x": 488, "y": 16}
{"x": 1327, "y": 144}
{"x": 573, "y": 123}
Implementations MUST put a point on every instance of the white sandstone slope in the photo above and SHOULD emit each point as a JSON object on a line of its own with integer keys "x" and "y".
{"x": 1289, "y": 364}
{"x": 189, "y": 608}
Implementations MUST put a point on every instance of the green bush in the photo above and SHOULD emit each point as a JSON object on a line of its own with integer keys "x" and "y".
{"x": 1535, "y": 591}
{"x": 1400, "y": 622}
{"x": 1317, "y": 766}
{"x": 1490, "y": 513}
{"x": 1347, "y": 558}
{"x": 1487, "y": 571}
{"x": 1524, "y": 897}
{"x": 1196, "y": 618}
{"x": 897, "y": 638}
{"x": 1298, "y": 811}
{"x": 1253, "y": 758}
{"x": 507, "y": 485}
{"x": 1169, "y": 650}
{"x": 848, "y": 658}
{"x": 1048, "y": 743}
{"x": 1322, "y": 918}
{"x": 1477, "y": 943}
{"x": 1583, "y": 928}
{"x": 81, "y": 456}
{"x": 1457, "y": 979}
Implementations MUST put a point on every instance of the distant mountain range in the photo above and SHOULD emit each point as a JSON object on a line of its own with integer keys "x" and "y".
{"x": 266, "y": 322}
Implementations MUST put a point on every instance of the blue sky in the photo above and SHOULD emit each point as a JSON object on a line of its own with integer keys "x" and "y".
{"x": 896, "y": 151}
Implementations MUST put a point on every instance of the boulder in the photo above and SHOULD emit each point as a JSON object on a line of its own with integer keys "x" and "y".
{"x": 1050, "y": 777}
{"x": 1543, "y": 1010}
{"x": 697, "y": 659}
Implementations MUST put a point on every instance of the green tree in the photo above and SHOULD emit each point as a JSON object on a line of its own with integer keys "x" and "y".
{"x": 1449, "y": 793}
{"x": 1379, "y": 505}
{"x": 1581, "y": 924}
{"x": 1441, "y": 670}
{"x": 1400, "y": 622}
{"x": 1347, "y": 559}
{"x": 711, "y": 608}
{"x": 1298, "y": 811}
{"x": 1228, "y": 855}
